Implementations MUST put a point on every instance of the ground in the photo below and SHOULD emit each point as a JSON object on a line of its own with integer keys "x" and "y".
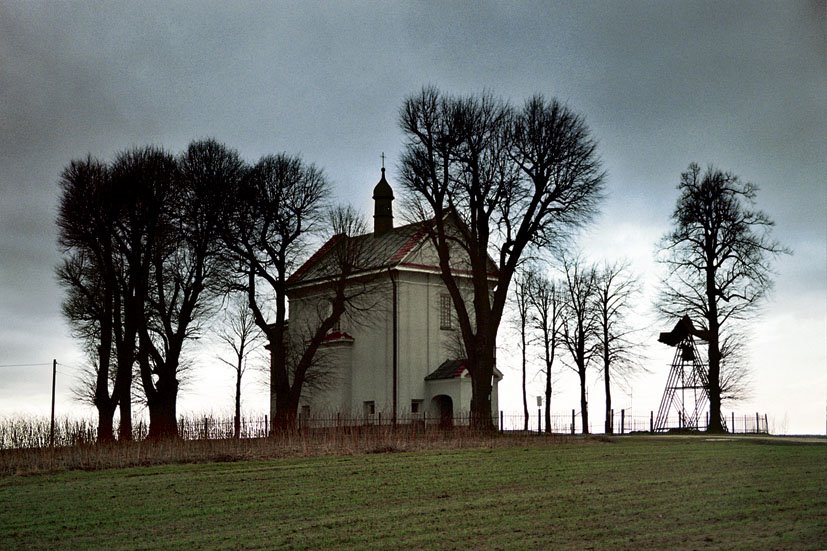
{"x": 597, "y": 493}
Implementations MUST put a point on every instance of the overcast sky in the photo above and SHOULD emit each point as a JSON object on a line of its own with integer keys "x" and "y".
{"x": 741, "y": 85}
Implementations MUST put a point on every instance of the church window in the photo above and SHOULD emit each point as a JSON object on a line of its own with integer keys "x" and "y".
{"x": 446, "y": 309}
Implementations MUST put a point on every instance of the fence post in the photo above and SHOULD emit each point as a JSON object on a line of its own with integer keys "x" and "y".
{"x": 766, "y": 424}
{"x": 205, "y": 428}
{"x": 651, "y": 421}
{"x": 622, "y": 421}
{"x": 756, "y": 422}
{"x": 501, "y": 420}
{"x": 733, "y": 423}
{"x": 572, "y": 421}
{"x": 539, "y": 420}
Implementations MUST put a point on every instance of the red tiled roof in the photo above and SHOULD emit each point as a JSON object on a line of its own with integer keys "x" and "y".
{"x": 374, "y": 252}
{"x": 412, "y": 242}
{"x": 338, "y": 336}
{"x": 450, "y": 369}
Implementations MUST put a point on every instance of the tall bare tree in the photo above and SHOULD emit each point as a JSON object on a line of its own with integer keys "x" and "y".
{"x": 515, "y": 179}
{"x": 92, "y": 275}
{"x": 523, "y": 289}
{"x": 546, "y": 315}
{"x": 142, "y": 181}
{"x": 277, "y": 208}
{"x": 580, "y": 323}
{"x": 186, "y": 268}
{"x": 239, "y": 332}
{"x": 719, "y": 256}
{"x": 615, "y": 289}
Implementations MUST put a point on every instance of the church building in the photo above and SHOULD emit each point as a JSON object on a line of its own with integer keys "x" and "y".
{"x": 398, "y": 352}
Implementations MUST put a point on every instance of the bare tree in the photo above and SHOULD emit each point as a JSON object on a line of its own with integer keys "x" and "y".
{"x": 185, "y": 266}
{"x": 91, "y": 273}
{"x": 580, "y": 323}
{"x": 277, "y": 207}
{"x": 142, "y": 180}
{"x": 279, "y": 201}
{"x": 345, "y": 294}
{"x": 88, "y": 308}
{"x": 615, "y": 289}
{"x": 546, "y": 315}
{"x": 523, "y": 289}
{"x": 718, "y": 254}
{"x": 496, "y": 183}
{"x": 240, "y": 333}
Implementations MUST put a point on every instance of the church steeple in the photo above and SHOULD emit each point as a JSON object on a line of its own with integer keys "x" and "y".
{"x": 383, "y": 205}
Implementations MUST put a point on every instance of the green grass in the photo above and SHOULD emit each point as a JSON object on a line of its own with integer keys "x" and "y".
{"x": 632, "y": 492}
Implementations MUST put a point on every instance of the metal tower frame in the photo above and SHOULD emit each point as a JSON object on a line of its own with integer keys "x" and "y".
{"x": 687, "y": 388}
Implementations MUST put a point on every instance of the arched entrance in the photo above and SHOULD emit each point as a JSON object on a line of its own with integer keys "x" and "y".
{"x": 442, "y": 407}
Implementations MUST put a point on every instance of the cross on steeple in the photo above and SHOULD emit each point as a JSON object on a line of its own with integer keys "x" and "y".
{"x": 383, "y": 200}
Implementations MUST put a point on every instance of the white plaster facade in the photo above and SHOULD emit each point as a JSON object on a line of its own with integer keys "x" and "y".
{"x": 359, "y": 355}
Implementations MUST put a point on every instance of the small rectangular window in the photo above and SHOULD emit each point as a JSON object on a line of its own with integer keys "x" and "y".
{"x": 416, "y": 406}
{"x": 446, "y": 309}
{"x": 369, "y": 409}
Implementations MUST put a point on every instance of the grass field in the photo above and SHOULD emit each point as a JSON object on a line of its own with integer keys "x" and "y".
{"x": 630, "y": 492}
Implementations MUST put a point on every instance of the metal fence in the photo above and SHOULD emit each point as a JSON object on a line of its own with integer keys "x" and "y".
{"x": 623, "y": 422}
{"x": 34, "y": 433}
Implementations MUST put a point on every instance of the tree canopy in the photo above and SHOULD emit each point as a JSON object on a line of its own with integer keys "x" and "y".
{"x": 517, "y": 179}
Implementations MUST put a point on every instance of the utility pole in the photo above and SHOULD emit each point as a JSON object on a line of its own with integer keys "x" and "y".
{"x": 52, "y": 430}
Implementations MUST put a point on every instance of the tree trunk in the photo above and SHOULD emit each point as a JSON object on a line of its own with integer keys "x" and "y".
{"x": 609, "y": 428}
{"x": 714, "y": 355}
{"x": 237, "y": 421}
{"x": 125, "y": 409}
{"x": 715, "y": 420}
{"x": 106, "y": 429}
{"x": 525, "y": 397}
{"x": 481, "y": 387}
{"x": 126, "y": 351}
{"x": 584, "y": 406}
{"x": 163, "y": 420}
{"x": 286, "y": 412}
{"x": 548, "y": 399}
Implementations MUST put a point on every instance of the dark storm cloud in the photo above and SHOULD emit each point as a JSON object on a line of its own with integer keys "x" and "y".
{"x": 661, "y": 84}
